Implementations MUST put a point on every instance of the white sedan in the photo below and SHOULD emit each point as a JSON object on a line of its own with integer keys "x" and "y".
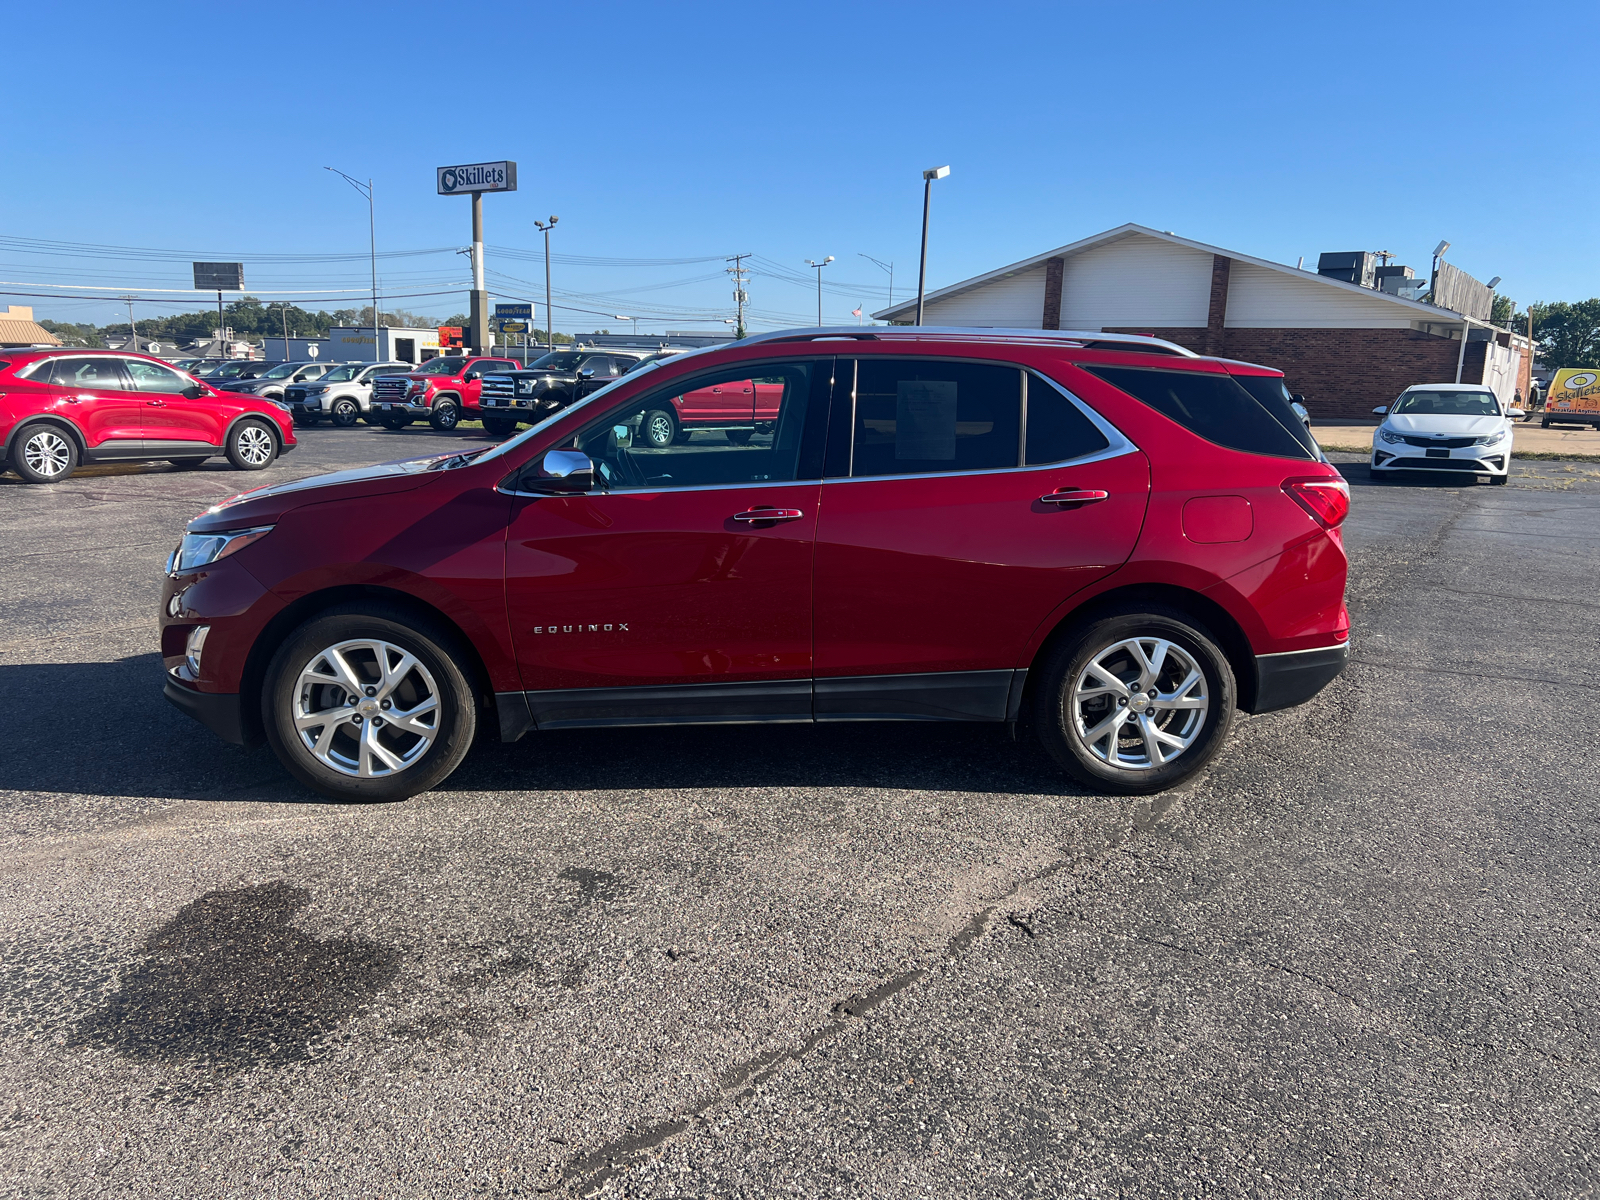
{"x": 1445, "y": 427}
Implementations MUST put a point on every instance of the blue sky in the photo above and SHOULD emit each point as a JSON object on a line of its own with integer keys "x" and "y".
{"x": 666, "y": 137}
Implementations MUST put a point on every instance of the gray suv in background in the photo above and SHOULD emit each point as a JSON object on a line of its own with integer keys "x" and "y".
{"x": 269, "y": 385}
{"x": 343, "y": 395}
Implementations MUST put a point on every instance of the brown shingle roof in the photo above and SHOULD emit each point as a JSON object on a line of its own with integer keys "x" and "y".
{"x": 25, "y": 333}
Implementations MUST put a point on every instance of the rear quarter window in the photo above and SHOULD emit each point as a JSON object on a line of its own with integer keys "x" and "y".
{"x": 1214, "y": 407}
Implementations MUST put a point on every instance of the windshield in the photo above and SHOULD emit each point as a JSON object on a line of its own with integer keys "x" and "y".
{"x": 232, "y": 370}
{"x": 1446, "y": 404}
{"x": 341, "y": 374}
{"x": 442, "y": 366}
{"x": 283, "y": 370}
{"x": 556, "y": 360}
{"x": 561, "y": 414}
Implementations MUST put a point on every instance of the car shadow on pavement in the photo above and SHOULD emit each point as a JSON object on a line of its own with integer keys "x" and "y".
{"x": 104, "y": 729}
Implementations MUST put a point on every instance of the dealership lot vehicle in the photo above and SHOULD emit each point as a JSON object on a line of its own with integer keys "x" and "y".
{"x": 62, "y": 408}
{"x": 444, "y": 390}
{"x": 1127, "y": 545}
{"x": 270, "y": 384}
{"x": 1445, "y": 427}
{"x": 550, "y": 384}
{"x": 234, "y": 370}
{"x": 343, "y": 395}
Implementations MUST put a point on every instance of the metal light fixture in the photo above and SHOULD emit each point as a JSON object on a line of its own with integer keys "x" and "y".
{"x": 1438, "y": 251}
{"x": 1494, "y": 283}
{"x": 819, "y": 266}
{"x": 927, "y": 197}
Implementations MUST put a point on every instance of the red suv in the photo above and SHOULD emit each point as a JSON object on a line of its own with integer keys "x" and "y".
{"x": 445, "y": 390}
{"x": 59, "y": 408}
{"x": 1119, "y": 541}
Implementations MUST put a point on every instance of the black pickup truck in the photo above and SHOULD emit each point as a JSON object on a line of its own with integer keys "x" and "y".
{"x": 548, "y": 385}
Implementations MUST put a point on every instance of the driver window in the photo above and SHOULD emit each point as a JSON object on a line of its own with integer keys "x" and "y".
{"x": 150, "y": 377}
{"x": 714, "y": 429}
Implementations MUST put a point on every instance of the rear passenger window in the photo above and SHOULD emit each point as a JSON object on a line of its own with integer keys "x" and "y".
{"x": 1057, "y": 430}
{"x": 1213, "y": 406}
{"x": 918, "y": 416}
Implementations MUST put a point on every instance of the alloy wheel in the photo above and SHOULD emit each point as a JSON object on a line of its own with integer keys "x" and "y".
{"x": 660, "y": 431}
{"x": 1139, "y": 703}
{"x": 366, "y": 708}
{"x": 255, "y": 445}
{"x": 47, "y": 453}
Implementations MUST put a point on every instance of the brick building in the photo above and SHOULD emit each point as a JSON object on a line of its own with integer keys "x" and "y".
{"x": 1345, "y": 346}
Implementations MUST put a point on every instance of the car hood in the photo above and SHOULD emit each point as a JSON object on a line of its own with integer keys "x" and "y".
{"x": 1452, "y": 426}
{"x": 266, "y": 504}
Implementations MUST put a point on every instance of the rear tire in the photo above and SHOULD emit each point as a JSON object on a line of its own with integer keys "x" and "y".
{"x": 345, "y": 413}
{"x": 369, "y": 752}
{"x": 393, "y": 423}
{"x": 252, "y": 446}
{"x": 1119, "y": 728}
{"x": 446, "y": 415}
{"x": 659, "y": 428}
{"x": 44, "y": 454}
{"x": 739, "y": 437}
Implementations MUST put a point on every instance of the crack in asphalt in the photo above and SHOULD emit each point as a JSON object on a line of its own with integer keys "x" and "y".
{"x": 1394, "y": 666}
{"x": 589, "y": 1172}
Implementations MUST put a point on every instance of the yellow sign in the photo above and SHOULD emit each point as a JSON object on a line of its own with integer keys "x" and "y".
{"x": 1575, "y": 390}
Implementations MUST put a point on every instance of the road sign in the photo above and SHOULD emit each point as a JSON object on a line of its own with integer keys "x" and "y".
{"x": 513, "y": 327}
{"x": 218, "y": 277}
{"x": 515, "y": 312}
{"x": 477, "y": 177}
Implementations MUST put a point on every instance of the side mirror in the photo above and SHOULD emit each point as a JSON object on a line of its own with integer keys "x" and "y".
{"x": 1516, "y": 412}
{"x": 1382, "y": 410}
{"x": 586, "y": 373}
{"x": 1297, "y": 397}
{"x": 622, "y": 436}
{"x": 1301, "y": 411}
{"x": 194, "y": 391}
{"x": 473, "y": 375}
{"x": 561, "y": 472}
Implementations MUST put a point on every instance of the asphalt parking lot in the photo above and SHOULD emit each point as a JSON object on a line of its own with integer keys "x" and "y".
{"x": 1356, "y": 958}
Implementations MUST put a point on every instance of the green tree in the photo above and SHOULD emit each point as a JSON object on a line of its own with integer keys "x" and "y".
{"x": 1504, "y": 309}
{"x": 1567, "y": 334}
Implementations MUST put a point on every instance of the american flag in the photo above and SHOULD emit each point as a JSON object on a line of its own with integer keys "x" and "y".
{"x": 856, "y": 311}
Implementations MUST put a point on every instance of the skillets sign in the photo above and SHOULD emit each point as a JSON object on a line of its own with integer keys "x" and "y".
{"x": 477, "y": 177}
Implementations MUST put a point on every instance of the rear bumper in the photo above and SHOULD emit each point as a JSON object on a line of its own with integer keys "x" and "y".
{"x": 1284, "y": 680}
{"x": 220, "y": 712}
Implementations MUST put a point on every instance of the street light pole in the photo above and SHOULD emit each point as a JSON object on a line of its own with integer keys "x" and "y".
{"x": 372, "y": 230}
{"x": 886, "y": 266}
{"x": 549, "y": 313}
{"x": 818, "y": 266}
{"x": 927, "y": 197}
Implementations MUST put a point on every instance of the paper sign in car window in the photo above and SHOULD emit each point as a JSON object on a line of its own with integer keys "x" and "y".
{"x": 925, "y": 420}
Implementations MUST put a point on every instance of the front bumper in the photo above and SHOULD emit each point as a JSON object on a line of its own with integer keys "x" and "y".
{"x": 1284, "y": 680}
{"x": 400, "y": 408}
{"x": 1484, "y": 460}
{"x": 220, "y": 712}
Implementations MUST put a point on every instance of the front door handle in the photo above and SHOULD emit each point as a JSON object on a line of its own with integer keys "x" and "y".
{"x": 751, "y": 516}
{"x": 1074, "y": 496}
{"x": 156, "y": 403}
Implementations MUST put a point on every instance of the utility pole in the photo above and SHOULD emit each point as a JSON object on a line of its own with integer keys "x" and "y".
{"x": 286, "y": 332}
{"x": 740, "y": 274}
{"x": 818, "y": 267}
{"x": 927, "y": 198}
{"x": 372, "y": 231}
{"x": 549, "y": 313}
{"x": 886, "y": 266}
{"x": 134, "y": 328}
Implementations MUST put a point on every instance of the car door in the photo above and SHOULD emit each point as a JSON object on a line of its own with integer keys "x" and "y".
{"x": 604, "y": 370}
{"x": 964, "y": 502}
{"x": 170, "y": 420}
{"x": 93, "y": 394}
{"x": 679, "y": 586}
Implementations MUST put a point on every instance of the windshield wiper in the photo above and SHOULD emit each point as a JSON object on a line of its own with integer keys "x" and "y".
{"x": 457, "y": 460}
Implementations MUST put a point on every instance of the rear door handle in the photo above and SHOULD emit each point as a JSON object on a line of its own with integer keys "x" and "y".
{"x": 156, "y": 403}
{"x": 751, "y": 516}
{"x": 1074, "y": 496}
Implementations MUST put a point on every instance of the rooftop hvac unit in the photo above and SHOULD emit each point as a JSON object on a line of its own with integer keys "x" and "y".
{"x": 1352, "y": 266}
{"x": 1395, "y": 272}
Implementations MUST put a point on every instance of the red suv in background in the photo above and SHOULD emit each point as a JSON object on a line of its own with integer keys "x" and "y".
{"x": 59, "y": 408}
{"x": 445, "y": 390}
{"x": 1114, "y": 538}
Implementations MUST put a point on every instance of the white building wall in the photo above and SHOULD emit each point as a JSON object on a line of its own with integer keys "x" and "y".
{"x": 1136, "y": 281}
{"x": 1016, "y": 302}
{"x": 1259, "y": 298}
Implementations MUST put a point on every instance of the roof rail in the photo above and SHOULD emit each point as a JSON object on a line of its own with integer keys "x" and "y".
{"x": 968, "y": 333}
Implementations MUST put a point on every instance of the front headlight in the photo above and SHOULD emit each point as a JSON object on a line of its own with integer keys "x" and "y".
{"x": 1494, "y": 439}
{"x": 1390, "y": 435}
{"x": 202, "y": 549}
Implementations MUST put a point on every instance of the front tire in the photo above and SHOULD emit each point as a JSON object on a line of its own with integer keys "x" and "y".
{"x": 367, "y": 703}
{"x": 44, "y": 454}
{"x": 1137, "y": 701}
{"x": 446, "y": 415}
{"x": 660, "y": 428}
{"x": 346, "y": 412}
{"x": 1499, "y": 480}
{"x": 499, "y": 427}
{"x": 393, "y": 422}
{"x": 252, "y": 446}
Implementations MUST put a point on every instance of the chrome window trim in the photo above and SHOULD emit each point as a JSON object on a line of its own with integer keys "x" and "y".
{"x": 1119, "y": 442}
{"x": 656, "y": 491}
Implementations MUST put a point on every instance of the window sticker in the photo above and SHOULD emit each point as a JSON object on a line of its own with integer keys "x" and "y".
{"x": 925, "y": 420}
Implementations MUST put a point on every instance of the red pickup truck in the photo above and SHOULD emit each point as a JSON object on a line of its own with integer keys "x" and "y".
{"x": 738, "y": 408}
{"x": 444, "y": 390}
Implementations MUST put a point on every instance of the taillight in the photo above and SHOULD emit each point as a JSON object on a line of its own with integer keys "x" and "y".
{"x": 1327, "y": 500}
